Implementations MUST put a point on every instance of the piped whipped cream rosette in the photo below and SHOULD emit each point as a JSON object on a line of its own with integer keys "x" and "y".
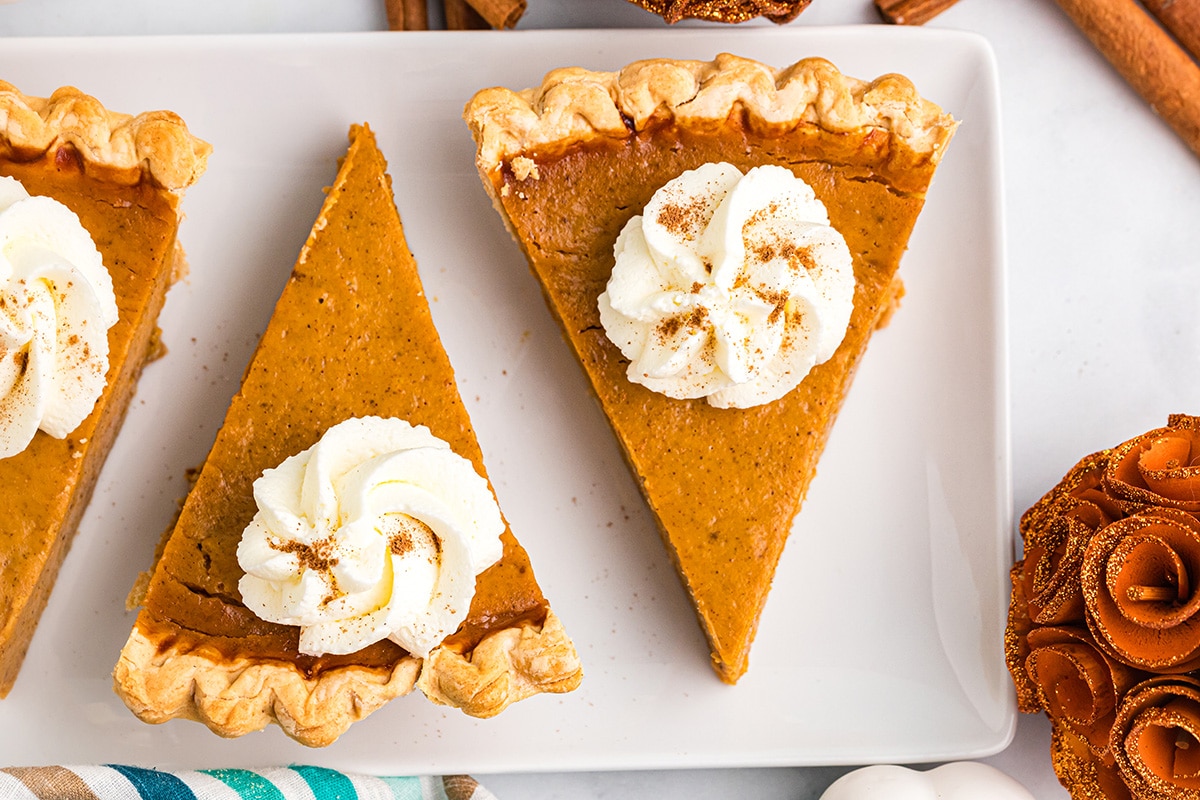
{"x": 375, "y": 532}
{"x": 728, "y": 287}
{"x": 56, "y": 306}
{"x": 1104, "y": 621}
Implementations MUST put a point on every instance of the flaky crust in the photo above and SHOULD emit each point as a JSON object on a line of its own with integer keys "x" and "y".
{"x": 576, "y": 105}
{"x": 238, "y": 696}
{"x": 155, "y": 144}
{"x": 160, "y": 681}
{"x": 507, "y": 666}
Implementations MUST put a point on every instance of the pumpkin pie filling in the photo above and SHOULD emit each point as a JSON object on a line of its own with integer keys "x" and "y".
{"x": 354, "y": 322}
{"x": 183, "y": 618}
{"x": 570, "y": 162}
{"x": 123, "y": 176}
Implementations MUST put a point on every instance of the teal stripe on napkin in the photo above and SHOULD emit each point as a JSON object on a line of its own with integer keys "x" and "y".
{"x": 407, "y": 788}
{"x": 154, "y": 784}
{"x": 327, "y": 784}
{"x": 121, "y": 782}
{"x": 250, "y": 785}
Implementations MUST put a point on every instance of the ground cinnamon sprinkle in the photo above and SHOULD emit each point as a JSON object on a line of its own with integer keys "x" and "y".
{"x": 764, "y": 252}
{"x": 778, "y": 299}
{"x": 21, "y": 359}
{"x": 408, "y": 528}
{"x": 694, "y": 320}
{"x": 684, "y": 221}
{"x": 316, "y": 556}
{"x": 400, "y": 543}
{"x": 801, "y": 258}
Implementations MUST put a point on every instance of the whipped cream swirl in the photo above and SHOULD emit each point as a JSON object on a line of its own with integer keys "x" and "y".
{"x": 730, "y": 287}
{"x": 375, "y": 532}
{"x": 56, "y": 306}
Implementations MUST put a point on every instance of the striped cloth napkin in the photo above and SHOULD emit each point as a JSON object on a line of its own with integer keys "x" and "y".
{"x": 115, "y": 782}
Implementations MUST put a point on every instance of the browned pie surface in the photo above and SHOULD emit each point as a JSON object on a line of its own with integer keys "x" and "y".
{"x": 45, "y": 489}
{"x": 724, "y": 484}
{"x": 350, "y": 336}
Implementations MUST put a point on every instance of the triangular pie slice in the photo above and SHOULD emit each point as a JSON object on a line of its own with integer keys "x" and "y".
{"x": 124, "y": 177}
{"x": 568, "y": 163}
{"x": 351, "y": 336}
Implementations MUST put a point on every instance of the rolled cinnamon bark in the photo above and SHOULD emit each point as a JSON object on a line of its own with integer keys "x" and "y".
{"x": 462, "y": 17}
{"x": 1181, "y": 18}
{"x": 1147, "y": 57}
{"x": 911, "y": 12}
{"x": 500, "y": 14}
{"x": 407, "y": 15}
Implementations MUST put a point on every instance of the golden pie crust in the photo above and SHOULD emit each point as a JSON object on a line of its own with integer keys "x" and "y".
{"x": 354, "y": 321}
{"x": 124, "y": 175}
{"x": 567, "y": 163}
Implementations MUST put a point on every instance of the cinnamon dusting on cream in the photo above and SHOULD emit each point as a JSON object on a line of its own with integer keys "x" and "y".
{"x": 729, "y": 287}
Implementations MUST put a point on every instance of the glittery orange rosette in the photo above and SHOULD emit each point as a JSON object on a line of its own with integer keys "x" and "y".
{"x": 1076, "y": 683}
{"x": 1156, "y": 739}
{"x": 1056, "y": 530}
{"x": 1016, "y": 644}
{"x": 732, "y": 11}
{"x": 1161, "y": 467}
{"x": 1086, "y": 775}
{"x": 1104, "y": 621}
{"x": 1045, "y": 583}
{"x": 1139, "y": 579}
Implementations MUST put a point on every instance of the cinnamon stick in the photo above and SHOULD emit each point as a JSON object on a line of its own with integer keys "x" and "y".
{"x": 461, "y": 17}
{"x": 1181, "y": 18}
{"x": 1158, "y": 68}
{"x": 911, "y": 12}
{"x": 407, "y": 15}
{"x": 500, "y": 14}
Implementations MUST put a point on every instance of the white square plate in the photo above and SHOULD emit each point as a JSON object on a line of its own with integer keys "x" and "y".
{"x": 882, "y": 638}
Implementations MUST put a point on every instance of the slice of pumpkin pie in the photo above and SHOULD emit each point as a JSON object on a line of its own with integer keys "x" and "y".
{"x": 718, "y": 240}
{"x": 89, "y": 210}
{"x": 341, "y": 543}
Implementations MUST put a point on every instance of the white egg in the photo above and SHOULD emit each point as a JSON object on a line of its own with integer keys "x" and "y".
{"x": 960, "y": 780}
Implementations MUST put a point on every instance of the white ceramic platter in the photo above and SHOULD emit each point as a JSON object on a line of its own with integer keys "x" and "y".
{"x": 882, "y": 637}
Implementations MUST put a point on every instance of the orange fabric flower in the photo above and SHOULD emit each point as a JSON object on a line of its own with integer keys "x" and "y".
{"x": 1103, "y": 627}
{"x": 1161, "y": 467}
{"x": 1056, "y": 531}
{"x": 1140, "y": 586}
{"x": 1045, "y": 583}
{"x": 1016, "y": 644}
{"x": 1085, "y": 774}
{"x": 1156, "y": 739}
{"x": 1077, "y": 683}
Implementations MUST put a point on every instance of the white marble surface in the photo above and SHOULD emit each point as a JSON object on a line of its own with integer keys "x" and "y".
{"x": 1104, "y": 270}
